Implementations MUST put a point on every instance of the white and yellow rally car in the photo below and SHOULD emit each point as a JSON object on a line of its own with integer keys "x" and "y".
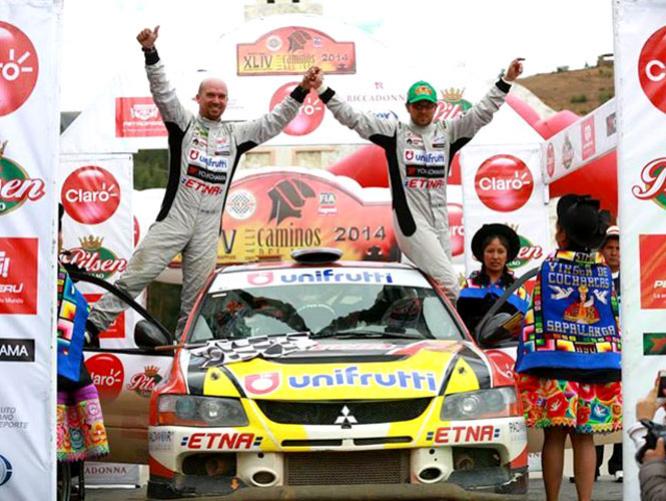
{"x": 332, "y": 381}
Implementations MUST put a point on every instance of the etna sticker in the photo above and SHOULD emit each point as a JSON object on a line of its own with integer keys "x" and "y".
{"x": 654, "y": 343}
{"x": 211, "y": 440}
{"x": 466, "y": 434}
{"x": 17, "y": 350}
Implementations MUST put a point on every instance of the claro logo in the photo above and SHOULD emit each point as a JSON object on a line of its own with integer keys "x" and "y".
{"x": 107, "y": 374}
{"x": 504, "y": 183}
{"x": 90, "y": 194}
{"x": 652, "y": 69}
{"x": 19, "y": 68}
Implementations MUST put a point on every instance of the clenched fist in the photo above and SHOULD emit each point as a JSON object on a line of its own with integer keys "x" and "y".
{"x": 147, "y": 37}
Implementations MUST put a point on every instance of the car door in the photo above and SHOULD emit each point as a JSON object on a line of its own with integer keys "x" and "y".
{"x": 124, "y": 378}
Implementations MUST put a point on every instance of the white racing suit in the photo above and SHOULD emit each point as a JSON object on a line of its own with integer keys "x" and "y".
{"x": 418, "y": 163}
{"x": 203, "y": 155}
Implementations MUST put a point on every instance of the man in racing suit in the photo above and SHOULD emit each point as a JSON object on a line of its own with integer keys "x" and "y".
{"x": 203, "y": 155}
{"x": 419, "y": 155}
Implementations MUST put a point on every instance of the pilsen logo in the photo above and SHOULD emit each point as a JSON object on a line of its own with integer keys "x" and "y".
{"x": 15, "y": 185}
{"x": 288, "y": 199}
{"x": 528, "y": 251}
{"x": 653, "y": 176}
{"x": 452, "y": 104}
{"x": 97, "y": 260}
{"x": 143, "y": 383}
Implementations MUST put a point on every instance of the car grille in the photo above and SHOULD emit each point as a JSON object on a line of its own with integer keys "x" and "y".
{"x": 326, "y": 413}
{"x": 347, "y": 468}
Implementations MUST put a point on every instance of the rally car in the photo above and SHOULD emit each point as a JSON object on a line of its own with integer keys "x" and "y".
{"x": 331, "y": 380}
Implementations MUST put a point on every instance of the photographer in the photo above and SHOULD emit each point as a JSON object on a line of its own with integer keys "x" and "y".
{"x": 652, "y": 473}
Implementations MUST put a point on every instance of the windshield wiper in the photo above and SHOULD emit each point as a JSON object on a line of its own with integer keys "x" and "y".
{"x": 365, "y": 333}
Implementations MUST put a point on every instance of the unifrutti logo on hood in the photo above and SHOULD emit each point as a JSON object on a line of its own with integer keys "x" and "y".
{"x": 353, "y": 376}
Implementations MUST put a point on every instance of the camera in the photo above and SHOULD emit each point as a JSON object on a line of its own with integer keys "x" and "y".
{"x": 655, "y": 431}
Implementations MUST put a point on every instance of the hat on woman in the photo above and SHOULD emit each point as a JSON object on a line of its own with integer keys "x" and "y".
{"x": 579, "y": 216}
{"x": 496, "y": 230}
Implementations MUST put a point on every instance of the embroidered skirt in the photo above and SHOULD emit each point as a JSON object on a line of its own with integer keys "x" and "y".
{"x": 588, "y": 408}
{"x": 80, "y": 426}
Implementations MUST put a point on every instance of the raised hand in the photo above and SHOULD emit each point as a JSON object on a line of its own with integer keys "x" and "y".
{"x": 514, "y": 70}
{"x": 310, "y": 78}
{"x": 147, "y": 37}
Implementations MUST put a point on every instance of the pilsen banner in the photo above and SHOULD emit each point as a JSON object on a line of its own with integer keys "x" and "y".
{"x": 585, "y": 140}
{"x": 28, "y": 152}
{"x": 96, "y": 191}
{"x": 640, "y": 84}
{"x": 270, "y": 212}
{"x": 501, "y": 187}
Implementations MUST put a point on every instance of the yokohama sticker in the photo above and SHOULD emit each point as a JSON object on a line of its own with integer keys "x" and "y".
{"x": 18, "y": 275}
{"x": 19, "y": 68}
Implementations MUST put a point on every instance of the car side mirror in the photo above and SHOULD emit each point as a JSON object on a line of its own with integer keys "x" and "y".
{"x": 496, "y": 329}
{"x": 148, "y": 335}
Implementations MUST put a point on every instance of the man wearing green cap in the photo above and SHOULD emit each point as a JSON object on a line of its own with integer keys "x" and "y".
{"x": 419, "y": 155}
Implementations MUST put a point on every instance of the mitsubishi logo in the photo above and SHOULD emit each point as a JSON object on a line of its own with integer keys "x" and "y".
{"x": 345, "y": 419}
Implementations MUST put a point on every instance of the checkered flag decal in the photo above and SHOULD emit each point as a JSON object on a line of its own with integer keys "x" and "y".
{"x": 238, "y": 350}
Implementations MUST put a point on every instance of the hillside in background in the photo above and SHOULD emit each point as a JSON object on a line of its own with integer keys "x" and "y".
{"x": 580, "y": 91}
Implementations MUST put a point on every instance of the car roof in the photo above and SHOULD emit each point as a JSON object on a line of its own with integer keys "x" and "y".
{"x": 285, "y": 265}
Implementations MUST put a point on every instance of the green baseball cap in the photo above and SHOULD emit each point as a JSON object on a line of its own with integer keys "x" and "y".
{"x": 421, "y": 91}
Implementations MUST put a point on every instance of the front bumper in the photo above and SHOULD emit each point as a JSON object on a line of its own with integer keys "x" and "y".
{"x": 444, "y": 490}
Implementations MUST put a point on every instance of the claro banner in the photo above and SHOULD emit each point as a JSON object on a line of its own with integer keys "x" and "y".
{"x": 640, "y": 83}
{"x": 96, "y": 192}
{"x": 29, "y": 123}
{"x": 501, "y": 187}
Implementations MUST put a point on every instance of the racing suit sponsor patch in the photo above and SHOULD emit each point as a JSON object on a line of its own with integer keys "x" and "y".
{"x": 206, "y": 175}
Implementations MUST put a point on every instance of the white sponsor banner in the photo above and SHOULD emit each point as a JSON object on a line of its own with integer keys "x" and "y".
{"x": 29, "y": 121}
{"x": 112, "y": 474}
{"x": 640, "y": 83}
{"x": 96, "y": 192}
{"x": 502, "y": 184}
{"x": 332, "y": 276}
{"x": 585, "y": 140}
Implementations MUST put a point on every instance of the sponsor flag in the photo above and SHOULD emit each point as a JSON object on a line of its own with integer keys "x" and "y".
{"x": 29, "y": 123}
{"x": 640, "y": 83}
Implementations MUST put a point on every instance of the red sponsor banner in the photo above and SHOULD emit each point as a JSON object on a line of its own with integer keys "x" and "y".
{"x": 138, "y": 117}
{"x": 117, "y": 329}
{"x": 271, "y": 214}
{"x": 587, "y": 138}
{"x": 292, "y": 50}
{"x": 653, "y": 271}
{"x": 18, "y": 276}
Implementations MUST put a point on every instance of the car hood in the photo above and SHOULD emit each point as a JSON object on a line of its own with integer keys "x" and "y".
{"x": 336, "y": 370}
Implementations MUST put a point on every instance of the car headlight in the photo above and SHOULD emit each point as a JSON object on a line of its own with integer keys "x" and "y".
{"x": 200, "y": 411}
{"x": 495, "y": 402}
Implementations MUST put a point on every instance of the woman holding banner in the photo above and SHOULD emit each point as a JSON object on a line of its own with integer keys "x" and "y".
{"x": 568, "y": 364}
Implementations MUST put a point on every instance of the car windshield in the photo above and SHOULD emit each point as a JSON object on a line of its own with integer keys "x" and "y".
{"x": 411, "y": 310}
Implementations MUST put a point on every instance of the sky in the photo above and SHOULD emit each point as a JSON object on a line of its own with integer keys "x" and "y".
{"x": 479, "y": 36}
